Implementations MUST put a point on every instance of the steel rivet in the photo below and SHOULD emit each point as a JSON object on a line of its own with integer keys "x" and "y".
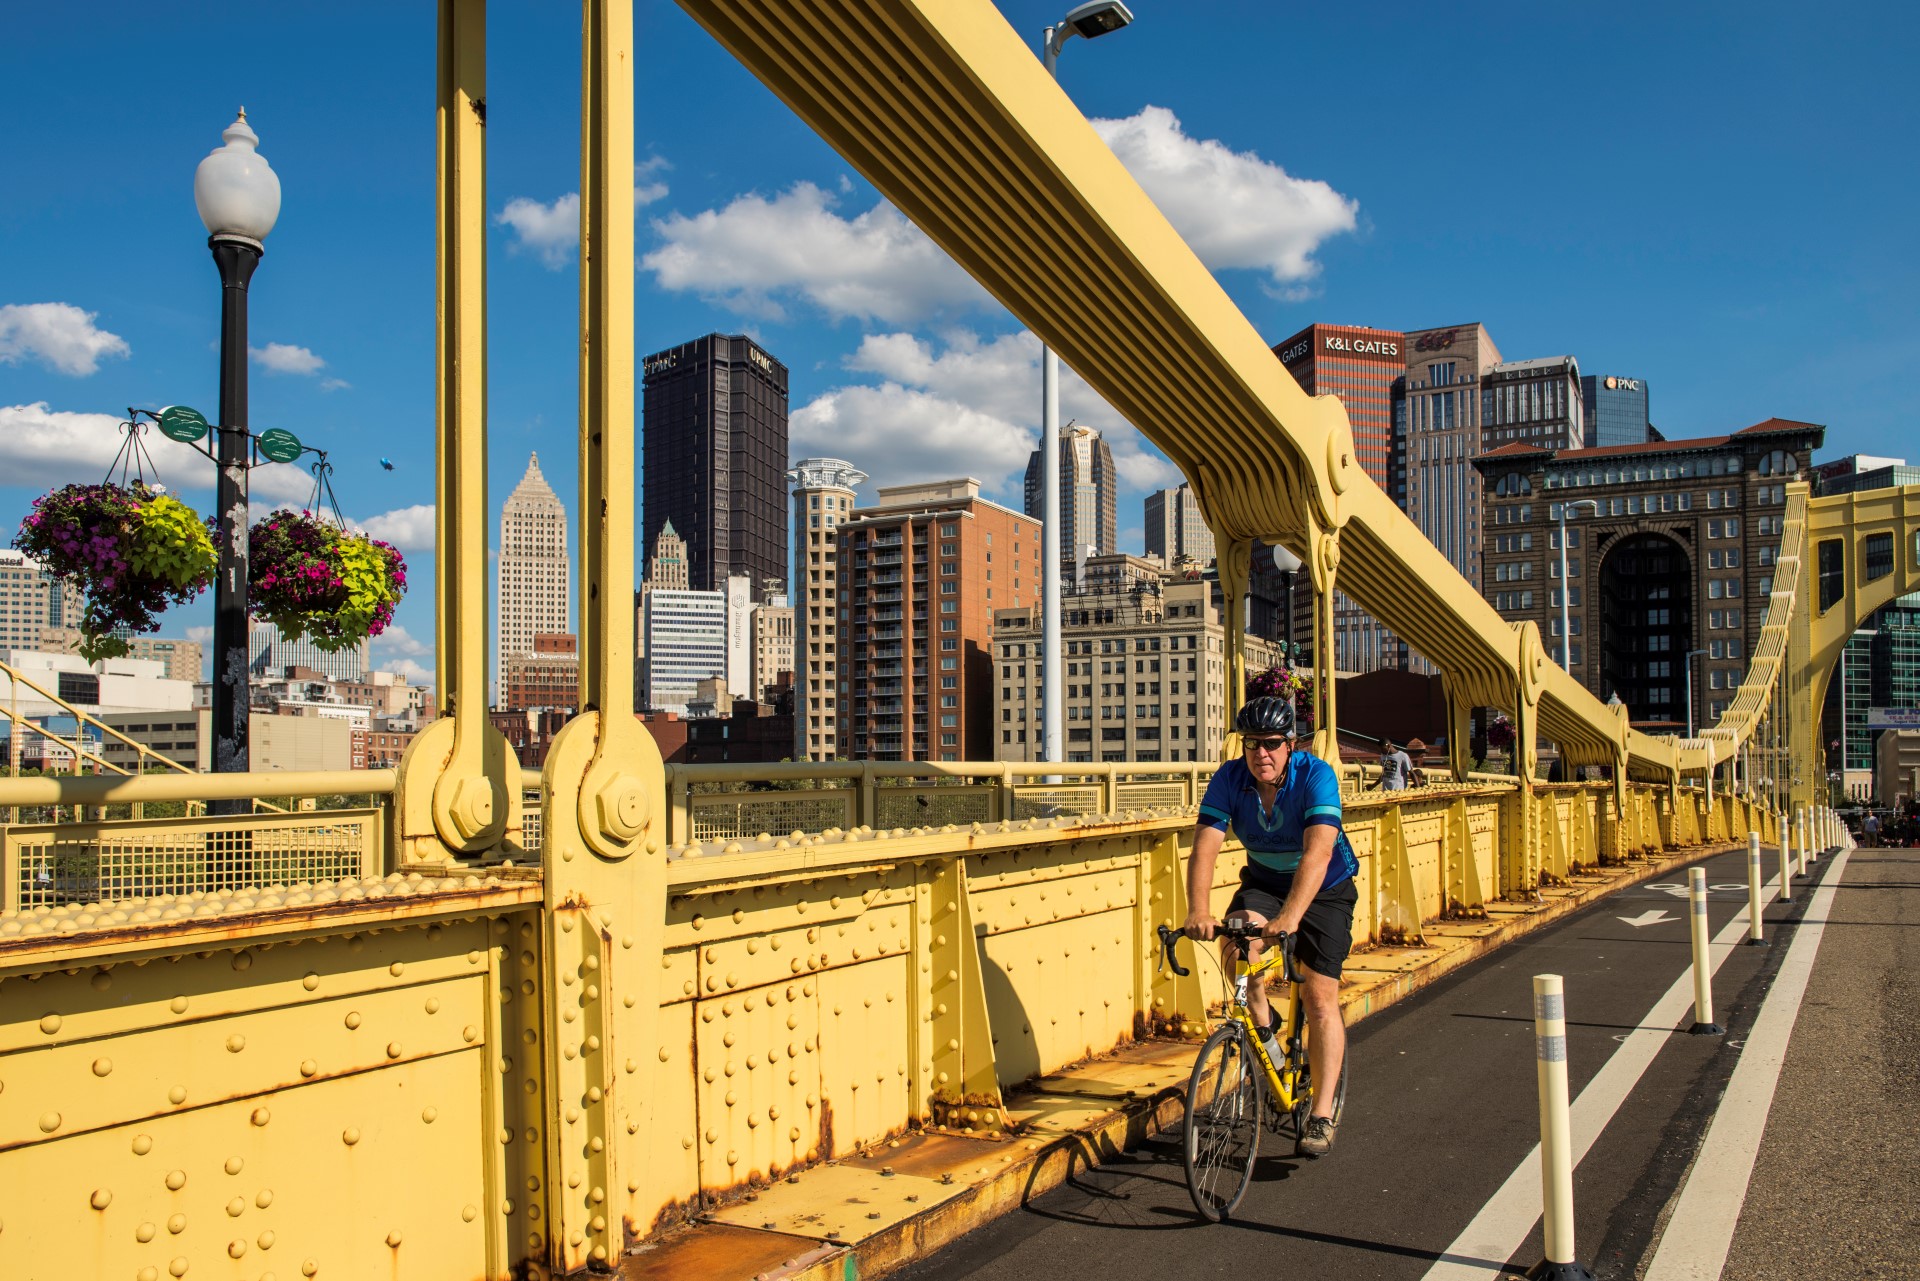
{"x": 468, "y": 1213}
{"x": 393, "y": 1238}
{"x": 265, "y": 1242}
{"x": 144, "y": 1233}
{"x": 176, "y": 1179}
{"x": 177, "y": 1224}
{"x": 236, "y": 1043}
{"x": 265, "y": 1198}
{"x": 236, "y": 1207}
{"x": 178, "y": 1267}
{"x": 142, "y": 1144}
{"x": 393, "y": 1049}
{"x": 234, "y": 1164}
{"x": 350, "y": 1136}
{"x": 101, "y": 1199}
{"x": 353, "y": 1018}
{"x": 308, "y": 1067}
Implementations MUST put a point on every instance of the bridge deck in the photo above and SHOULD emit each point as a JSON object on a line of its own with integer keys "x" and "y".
{"x": 1430, "y": 1167}
{"x": 1443, "y": 1119}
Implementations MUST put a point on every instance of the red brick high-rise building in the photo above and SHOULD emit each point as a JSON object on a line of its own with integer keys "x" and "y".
{"x": 921, "y": 573}
{"x": 1360, "y": 366}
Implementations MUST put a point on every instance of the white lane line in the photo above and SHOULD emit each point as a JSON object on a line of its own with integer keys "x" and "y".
{"x": 1700, "y": 1232}
{"x": 1502, "y": 1225}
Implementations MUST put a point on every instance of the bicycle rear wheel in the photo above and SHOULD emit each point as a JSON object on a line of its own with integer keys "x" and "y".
{"x": 1223, "y": 1122}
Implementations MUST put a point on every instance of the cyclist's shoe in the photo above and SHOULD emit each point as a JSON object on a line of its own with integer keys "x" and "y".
{"x": 1318, "y": 1140}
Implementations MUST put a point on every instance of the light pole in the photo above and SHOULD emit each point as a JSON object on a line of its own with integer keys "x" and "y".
{"x": 1566, "y": 586}
{"x": 238, "y": 196}
{"x": 1095, "y": 18}
{"x": 1691, "y": 655}
{"x": 1288, "y": 565}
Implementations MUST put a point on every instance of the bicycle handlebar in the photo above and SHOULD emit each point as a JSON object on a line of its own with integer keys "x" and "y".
{"x": 1239, "y": 933}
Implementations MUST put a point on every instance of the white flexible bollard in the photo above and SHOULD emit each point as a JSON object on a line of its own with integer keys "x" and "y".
{"x": 1756, "y": 932}
{"x": 1556, "y": 1133}
{"x": 1800, "y": 836}
{"x": 1786, "y": 859}
{"x": 1703, "y": 1024}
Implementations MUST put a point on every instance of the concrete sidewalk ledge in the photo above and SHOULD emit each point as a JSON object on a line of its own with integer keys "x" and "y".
{"x": 865, "y": 1215}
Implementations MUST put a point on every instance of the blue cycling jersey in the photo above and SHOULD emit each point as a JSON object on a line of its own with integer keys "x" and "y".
{"x": 1309, "y": 796}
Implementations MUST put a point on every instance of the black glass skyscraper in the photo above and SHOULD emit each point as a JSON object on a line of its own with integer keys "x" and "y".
{"x": 715, "y": 457}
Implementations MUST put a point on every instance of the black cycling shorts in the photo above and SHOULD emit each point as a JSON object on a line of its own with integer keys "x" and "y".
{"x": 1326, "y": 930}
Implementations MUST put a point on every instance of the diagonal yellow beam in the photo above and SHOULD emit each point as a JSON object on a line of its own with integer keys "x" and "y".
{"x": 940, "y": 105}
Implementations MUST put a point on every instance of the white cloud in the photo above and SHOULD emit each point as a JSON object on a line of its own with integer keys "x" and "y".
{"x": 408, "y": 528}
{"x": 280, "y": 485}
{"x": 417, "y": 673}
{"x": 749, "y": 255}
{"x": 899, "y": 434}
{"x": 335, "y": 384}
{"x": 1235, "y": 209}
{"x": 57, "y": 334}
{"x": 285, "y": 358}
{"x": 200, "y": 635}
{"x": 42, "y": 447}
{"x": 398, "y": 641}
{"x": 551, "y": 232}
{"x": 970, "y": 408}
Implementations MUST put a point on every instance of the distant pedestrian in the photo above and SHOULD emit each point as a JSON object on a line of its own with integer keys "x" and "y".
{"x": 1395, "y": 767}
{"x": 1872, "y": 829}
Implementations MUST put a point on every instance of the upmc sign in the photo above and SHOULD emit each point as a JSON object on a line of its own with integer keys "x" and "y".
{"x": 1387, "y": 348}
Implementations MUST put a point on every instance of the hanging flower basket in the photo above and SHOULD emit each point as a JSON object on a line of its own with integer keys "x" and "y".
{"x": 312, "y": 579}
{"x": 1281, "y": 682}
{"x": 1499, "y": 733}
{"x": 133, "y": 551}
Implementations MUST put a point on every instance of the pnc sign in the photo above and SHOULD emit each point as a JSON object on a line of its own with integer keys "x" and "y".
{"x": 1622, "y": 384}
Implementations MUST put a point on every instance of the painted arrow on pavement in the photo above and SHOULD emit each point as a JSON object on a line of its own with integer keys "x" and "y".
{"x": 1652, "y": 916}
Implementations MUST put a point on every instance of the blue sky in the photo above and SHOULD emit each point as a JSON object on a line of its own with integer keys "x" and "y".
{"x": 1714, "y": 198}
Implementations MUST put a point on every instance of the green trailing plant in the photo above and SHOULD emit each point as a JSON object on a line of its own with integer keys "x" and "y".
{"x": 132, "y": 551}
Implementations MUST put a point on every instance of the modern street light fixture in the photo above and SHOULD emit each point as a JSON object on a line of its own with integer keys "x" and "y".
{"x": 1095, "y": 18}
{"x": 1566, "y": 586}
{"x": 1691, "y": 655}
{"x": 238, "y": 196}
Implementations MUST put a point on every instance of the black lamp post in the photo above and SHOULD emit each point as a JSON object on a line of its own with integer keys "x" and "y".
{"x": 238, "y": 196}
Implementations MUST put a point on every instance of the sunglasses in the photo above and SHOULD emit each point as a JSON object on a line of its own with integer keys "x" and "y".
{"x": 1267, "y": 745}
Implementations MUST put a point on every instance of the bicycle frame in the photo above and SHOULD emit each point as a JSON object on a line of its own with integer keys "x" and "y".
{"x": 1280, "y": 1079}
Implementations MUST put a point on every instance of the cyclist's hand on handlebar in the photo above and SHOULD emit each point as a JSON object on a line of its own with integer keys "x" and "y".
{"x": 1201, "y": 924}
{"x": 1278, "y": 927}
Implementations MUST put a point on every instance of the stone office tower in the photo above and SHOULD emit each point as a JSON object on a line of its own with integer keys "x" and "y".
{"x": 535, "y": 574}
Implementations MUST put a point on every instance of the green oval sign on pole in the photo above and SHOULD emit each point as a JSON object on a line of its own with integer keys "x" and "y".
{"x": 178, "y": 422}
{"x": 280, "y": 445}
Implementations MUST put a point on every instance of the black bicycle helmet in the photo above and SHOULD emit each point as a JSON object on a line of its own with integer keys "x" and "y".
{"x": 1266, "y": 716}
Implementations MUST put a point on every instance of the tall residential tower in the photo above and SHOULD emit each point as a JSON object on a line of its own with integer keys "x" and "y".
{"x": 822, "y": 501}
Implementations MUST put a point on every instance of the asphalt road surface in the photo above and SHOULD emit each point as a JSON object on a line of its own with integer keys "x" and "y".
{"x": 1442, "y": 1114}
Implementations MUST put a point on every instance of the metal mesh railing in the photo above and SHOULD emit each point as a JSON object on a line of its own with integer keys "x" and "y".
{"x": 47, "y": 864}
{"x": 935, "y": 806}
{"x": 1042, "y": 801}
{"x": 1134, "y": 796}
{"x": 735, "y": 815}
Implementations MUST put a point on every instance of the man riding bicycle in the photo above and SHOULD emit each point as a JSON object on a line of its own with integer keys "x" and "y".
{"x": 1284, "y": 805}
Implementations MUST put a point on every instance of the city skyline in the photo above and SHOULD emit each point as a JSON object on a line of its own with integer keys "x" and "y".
{"x": 1747, "y": 299}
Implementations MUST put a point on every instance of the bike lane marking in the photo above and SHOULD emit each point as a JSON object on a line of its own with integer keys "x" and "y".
{"x": 1503, "y": 1223}
{"x": 1699, "y": 1234}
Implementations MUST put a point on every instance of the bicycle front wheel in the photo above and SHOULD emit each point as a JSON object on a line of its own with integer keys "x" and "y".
{"x": 1223, "y": 1122}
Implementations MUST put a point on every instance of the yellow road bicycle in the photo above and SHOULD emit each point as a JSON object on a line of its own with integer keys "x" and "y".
{"x": 1234, "y": 1077}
